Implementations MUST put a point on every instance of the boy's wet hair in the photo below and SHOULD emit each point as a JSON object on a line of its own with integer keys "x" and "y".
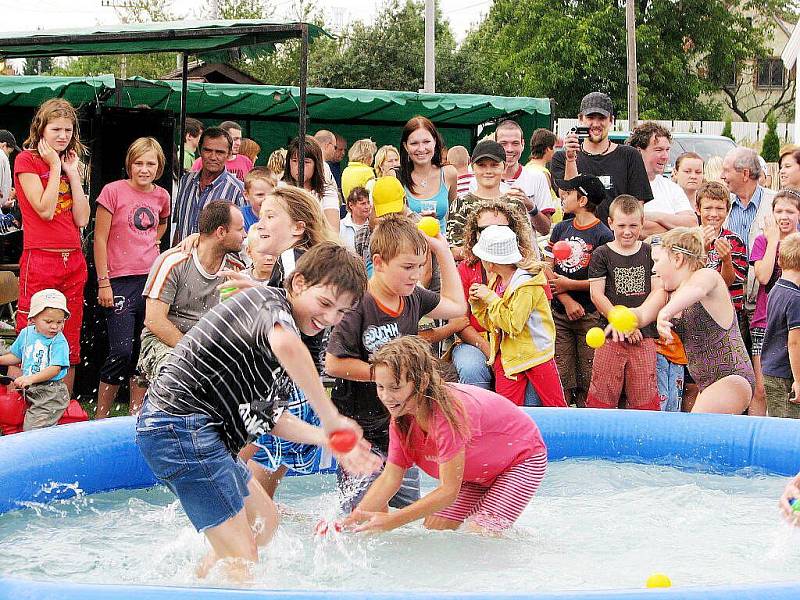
{"x": 395, "y": 234}
{"x": 260, "y": 174}
{"x": 789, "y": 255}
{"x": 328, "y": 263}
{"x": 713, "y": 190}
{"x": 627, "y": 205}
{"x": 215, "y": 214}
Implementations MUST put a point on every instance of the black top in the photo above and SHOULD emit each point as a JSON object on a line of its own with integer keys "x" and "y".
{"x": 621, "y": 171}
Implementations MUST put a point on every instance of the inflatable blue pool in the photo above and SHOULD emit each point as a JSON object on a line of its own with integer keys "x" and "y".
{"x": 102, "y": 457}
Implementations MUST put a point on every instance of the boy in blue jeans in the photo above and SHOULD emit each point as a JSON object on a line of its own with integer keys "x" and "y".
{"x": 43, "y": 352}
{"x": 573, "y": 311}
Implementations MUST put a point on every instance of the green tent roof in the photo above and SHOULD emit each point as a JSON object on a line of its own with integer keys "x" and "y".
{"x": 272, "y": 102}
{"x": 177, "y": 36}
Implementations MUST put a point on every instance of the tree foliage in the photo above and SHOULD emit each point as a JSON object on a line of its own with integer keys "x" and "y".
{"x": 771, "y": 146}
{"x": 565, "y": 49}
{"x": 727, "y": 129}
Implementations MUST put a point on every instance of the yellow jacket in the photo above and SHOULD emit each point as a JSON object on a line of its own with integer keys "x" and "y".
{"x": 355, "y": 175}
{"x": 520, "y": 324}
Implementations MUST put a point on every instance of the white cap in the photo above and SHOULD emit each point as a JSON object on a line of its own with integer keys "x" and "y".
{"x": 498, "y": 244}
{"x": 47, "y": 299}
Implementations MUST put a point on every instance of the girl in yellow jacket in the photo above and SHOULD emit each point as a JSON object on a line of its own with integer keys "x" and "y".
{"x": 515, "y": 310}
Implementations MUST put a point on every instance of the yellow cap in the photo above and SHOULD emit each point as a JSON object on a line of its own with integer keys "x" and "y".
{"x": 388, "y": 196}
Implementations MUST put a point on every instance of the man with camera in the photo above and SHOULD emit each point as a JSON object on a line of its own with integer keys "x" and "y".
{"x": 588, "y": 151}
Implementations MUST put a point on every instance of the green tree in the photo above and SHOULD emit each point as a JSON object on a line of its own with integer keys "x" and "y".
{"x": 151, "y": 66}
{"x": 771, "y": 146}
{"x": 565, "y": 49}
{"x": 41, "y": 65}
{"x": 727, "y": 130}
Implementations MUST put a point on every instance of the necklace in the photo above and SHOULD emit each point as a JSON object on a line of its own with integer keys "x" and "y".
{"x": 608, "y": 147}
{"x": 424, "y": 181}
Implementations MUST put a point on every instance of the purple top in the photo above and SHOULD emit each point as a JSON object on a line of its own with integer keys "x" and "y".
{"x": 757, "y": 253}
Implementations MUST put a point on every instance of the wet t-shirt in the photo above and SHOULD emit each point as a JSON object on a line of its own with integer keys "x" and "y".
{"x": 627, "y": 278}
{"x": 224, "y": 367}
{"x": 363, "y": 331}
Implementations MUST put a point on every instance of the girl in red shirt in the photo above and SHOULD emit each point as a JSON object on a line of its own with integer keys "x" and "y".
{"x": 53, "y": 207}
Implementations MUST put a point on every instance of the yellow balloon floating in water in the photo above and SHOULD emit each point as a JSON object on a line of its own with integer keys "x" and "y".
{"x": 658, "y": 580}
{"x": 595, "y": 337}
{"x": 429, "y": 226}
{"x": 622, "y": 319}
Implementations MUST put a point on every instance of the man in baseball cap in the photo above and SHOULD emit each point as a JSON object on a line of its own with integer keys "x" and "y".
{"x": 619, "y": 167}
{"x": 8, "y": 143}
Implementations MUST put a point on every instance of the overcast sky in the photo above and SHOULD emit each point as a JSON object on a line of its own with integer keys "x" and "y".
{"x": 55, "y": 14}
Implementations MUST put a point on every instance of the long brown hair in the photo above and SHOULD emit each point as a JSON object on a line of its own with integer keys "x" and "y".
{"x": 411, "y": 356}
{"x": 302, "y": 207}
{"x": 406, "y": 167}
{"x": 55, "y": 108}
{"x": 311, "y": 150}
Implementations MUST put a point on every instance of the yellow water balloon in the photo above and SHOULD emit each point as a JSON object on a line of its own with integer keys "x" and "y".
{"x": 595, "y": 337}
{"x": 429, "y": 226}
{"x": 622, "y": 319}
{"x": 658, "y": 580}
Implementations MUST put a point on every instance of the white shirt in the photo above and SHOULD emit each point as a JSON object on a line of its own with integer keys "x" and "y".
{"x": 668, "y": 198}
{"x": 6, "y": 182}
{"x": 532, "y": 183}
{"x": 347, "y": 232}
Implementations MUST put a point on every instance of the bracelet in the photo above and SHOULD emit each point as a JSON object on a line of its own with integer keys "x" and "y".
{"x": 102, "y": 287}
{"x": 102, "y": 278}
{"x": 534, "y": 211}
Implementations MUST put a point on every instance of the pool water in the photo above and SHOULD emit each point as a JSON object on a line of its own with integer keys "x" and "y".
{"x": 593, "y": 525}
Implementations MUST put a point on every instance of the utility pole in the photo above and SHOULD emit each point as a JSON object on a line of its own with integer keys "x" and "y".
{"x": 430, "y": 47}
{"x": 633, "y": 81}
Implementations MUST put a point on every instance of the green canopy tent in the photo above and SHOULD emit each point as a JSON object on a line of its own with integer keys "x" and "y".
{"x": 269, "y": 113}
{"x": 185, "y": 37}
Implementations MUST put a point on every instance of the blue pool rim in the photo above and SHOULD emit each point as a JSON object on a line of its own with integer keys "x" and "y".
{"x": 101, "y": 456}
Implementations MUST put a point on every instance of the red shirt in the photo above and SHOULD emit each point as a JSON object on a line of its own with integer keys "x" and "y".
{"x": 37, "y": 233}
{"x": 471, "y": 274}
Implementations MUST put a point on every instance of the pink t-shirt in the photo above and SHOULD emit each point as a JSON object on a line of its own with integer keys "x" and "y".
{"x": 758, "y": 252}
{"x": 133, "y": 238}
{"x": 239, "y": 165}
{"x": 501, "y": 436}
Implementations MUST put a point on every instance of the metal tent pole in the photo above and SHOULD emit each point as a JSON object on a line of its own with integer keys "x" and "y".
{"x": 301, "y": 134}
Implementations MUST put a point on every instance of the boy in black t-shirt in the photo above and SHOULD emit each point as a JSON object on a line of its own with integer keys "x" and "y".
{"x": 621, "y": 272}
{"x": 228, "y": 381}
{"x": 573, "y": 311}
{"x": 392, "y": 306}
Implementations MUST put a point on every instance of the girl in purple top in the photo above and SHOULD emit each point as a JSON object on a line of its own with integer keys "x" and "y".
{"x": 764, "y": 258}
{"x": 131, "y": 218}
{"x": 695, "y": 300}
{"x": 486, "y": 453}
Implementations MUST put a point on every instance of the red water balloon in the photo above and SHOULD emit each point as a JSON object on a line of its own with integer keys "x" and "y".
{"x": 562, "y": 250}
{"x": 342, "y": 440}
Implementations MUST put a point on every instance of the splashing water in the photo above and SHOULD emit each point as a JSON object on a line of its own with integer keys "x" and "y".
{"x": 593, "y": 525}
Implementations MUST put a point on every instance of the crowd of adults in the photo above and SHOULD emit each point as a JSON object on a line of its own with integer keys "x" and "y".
{"x": 570, "y": 194}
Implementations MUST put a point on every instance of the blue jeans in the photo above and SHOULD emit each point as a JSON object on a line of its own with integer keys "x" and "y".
{"x": 670, "y": 384}
{"x": 470, "y": 362}
{"x": 187, "y": 454}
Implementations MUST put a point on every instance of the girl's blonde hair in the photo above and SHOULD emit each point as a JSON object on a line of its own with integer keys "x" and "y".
{"x": 55, "y": 108}
{"x": 276, "y": 162}
{"x": 712, "y": 170}
{"x": 410, "y": 356}
{"x": 519, "y": 224}
{"x": 380, "y": 157}
{"x": 140, "y": 147}
{"x": 689, "y": 242}
{"x": 302, "y": 207}
{"x": 362, "y": 151}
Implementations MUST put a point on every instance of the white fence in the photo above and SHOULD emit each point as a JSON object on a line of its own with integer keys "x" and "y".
{"x": 743, "y": 133}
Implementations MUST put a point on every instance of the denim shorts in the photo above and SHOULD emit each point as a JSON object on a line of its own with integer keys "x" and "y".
{"x": 186, "y": 453}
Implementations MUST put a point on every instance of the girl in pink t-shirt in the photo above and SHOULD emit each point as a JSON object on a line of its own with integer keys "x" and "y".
{"x": 131, "y": 218}
{"x": 487, "y": 454}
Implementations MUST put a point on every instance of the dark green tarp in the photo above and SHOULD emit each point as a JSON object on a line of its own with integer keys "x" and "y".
{"x": 269, "y": 113}
{"x": 196, "y": 37}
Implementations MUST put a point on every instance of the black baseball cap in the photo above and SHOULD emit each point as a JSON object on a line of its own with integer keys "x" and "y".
{"x": 8, "y": 137}
{"x": 488, "y": 149}
{"x": 597, "y": 103}
{"x": 587, "y": 185}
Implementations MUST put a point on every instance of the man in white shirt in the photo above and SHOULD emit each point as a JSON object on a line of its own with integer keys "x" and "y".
{"x": 670, "y": 207}
{"x": 8, "y": 145}
{"x": 529, "y": 186}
